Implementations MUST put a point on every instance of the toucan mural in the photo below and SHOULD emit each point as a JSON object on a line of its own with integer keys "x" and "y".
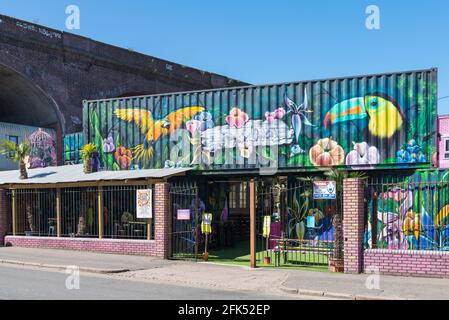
{"x": 367, "y": 122}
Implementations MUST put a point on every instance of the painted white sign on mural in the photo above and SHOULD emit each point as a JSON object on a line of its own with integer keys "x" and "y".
{"x": 144, "y": 203}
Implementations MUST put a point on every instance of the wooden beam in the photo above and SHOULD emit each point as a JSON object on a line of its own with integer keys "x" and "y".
{"x": 58, "y": 213}
{"x": 252, "y": 215}
{"x": 82, "y": 184}
{"x": 100, "y": 213}
{"x": 14, "y": 212}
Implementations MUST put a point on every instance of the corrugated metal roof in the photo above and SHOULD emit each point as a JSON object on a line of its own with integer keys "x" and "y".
{"x": 74, "y": 173}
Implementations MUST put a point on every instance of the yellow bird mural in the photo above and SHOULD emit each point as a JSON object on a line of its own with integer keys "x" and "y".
{"x": 384, "y": 114}
{"x": 155, "y": 129}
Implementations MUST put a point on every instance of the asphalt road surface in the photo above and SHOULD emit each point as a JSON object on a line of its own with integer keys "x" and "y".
{"x": 17, "y": 283}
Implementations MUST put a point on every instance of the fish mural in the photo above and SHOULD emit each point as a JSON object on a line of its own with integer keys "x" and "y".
{"x": 382, "y": 121}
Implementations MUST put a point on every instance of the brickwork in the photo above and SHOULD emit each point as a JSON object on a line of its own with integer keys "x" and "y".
{"x": 3, "y": 216}
{"x": 353, "y": 224}
{"x": 117, "y": 246}
{"x": 408, "y": 262}
{"x": 162, "y": 219}
{"x": 159, "y": 247}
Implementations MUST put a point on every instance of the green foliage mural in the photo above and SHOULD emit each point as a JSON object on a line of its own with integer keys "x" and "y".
{"x": 358, "y": 123}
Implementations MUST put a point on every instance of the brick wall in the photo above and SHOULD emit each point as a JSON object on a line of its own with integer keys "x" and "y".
{"x": 3, "y": 216}
{"x": 408, "y": 262}
{"x": 159, "y": 247}
{"x": 162, "y": 219}
{"x": 117, "y": 246}
{"x": 353, "y": 224}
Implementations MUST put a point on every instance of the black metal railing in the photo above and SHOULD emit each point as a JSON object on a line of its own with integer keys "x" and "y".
{"x": 120, "y": 218}
{"x": 34, "y": 212}
{"x": 407, "y": 215}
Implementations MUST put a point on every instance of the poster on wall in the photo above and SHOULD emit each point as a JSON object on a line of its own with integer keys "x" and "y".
{"x": 144, "y": 203}
{"x": 183, "y": 214}
{"x": 324, "y": 190}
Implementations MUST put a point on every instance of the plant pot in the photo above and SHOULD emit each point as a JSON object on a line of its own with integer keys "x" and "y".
{"x": 336, "y": 265}
{"x": 87, "y": 166}
{"x": 266, "y": 260}
{"x": 206, "y": 256}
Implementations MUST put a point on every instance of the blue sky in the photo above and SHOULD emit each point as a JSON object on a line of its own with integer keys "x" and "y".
{"x": 265, "y": 41}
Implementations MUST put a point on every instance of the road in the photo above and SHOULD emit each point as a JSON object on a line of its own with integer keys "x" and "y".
{"x": 19, "y": 283}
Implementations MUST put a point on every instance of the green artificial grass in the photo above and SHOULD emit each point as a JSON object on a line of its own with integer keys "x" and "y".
{"x": 240, "y": 255}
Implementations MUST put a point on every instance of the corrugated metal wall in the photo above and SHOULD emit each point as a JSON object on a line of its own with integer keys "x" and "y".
{"x": 364, "y": 122}
{"x": 72, "y": 148}
{"x": 12, "y": 131}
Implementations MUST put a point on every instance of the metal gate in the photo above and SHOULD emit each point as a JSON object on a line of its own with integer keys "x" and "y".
{"x": 185, "y": 206}
{"x": 301, "y": 230}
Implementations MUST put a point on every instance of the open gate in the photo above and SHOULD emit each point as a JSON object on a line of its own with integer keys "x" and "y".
{"x": 300, "y": 228}
{"x": 184, "y": 206}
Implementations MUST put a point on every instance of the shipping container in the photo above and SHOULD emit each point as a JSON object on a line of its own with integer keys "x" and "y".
{"x": 361, "y": 122}
{"x": 17, "y": 133}
{"x": 72, "y": 148}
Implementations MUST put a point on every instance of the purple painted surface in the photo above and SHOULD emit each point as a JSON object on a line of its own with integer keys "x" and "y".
{"x": 275, "y": 233}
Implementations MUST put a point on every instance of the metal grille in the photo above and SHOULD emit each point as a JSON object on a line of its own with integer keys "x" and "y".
{"x": 407, "y": 215}
{"x": 120, "y": 218}
{"x": 186, "y": 233}
{"x": 35, "y": 212}
{"x": 79, "y": 212}
{"x": 301, "y": 230}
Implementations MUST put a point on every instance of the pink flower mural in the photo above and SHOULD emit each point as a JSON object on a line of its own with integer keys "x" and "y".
{"x": 237, "y": 118}
{"x": 362, "y": 155}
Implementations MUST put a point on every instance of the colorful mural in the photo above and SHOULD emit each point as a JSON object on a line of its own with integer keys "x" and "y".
{"x": 359, "y": 123}
{"x": 72, "y": 148}
{"x": 409, "y": 213}
{"x": 42, "y": 149}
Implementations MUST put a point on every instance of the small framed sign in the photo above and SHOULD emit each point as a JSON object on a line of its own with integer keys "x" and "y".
{"x": 144, "y": 201}
{"x": 183, "y": 214}
{"x": 324, "y": 190}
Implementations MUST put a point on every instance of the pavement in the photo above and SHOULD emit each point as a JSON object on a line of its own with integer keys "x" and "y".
{"x": 20, "y": 283}
{"x": 86, "y": 261}
{"x": 210, "y": 276}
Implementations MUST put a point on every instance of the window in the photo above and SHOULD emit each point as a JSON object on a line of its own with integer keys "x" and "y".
{"x": 14, "y": 139}
{"x": 446, "y": 148}
{"x": 238, "y": 194}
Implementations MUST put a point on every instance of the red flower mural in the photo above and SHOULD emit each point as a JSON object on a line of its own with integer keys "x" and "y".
{"x": 124, "y": 157}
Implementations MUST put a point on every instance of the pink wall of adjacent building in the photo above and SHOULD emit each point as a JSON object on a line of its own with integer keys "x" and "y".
{"x": 443, "y": 141}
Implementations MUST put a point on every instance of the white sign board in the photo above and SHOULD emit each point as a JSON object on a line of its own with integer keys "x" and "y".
{"x": 324, "y": 190}
{"x": 144, "y": 201}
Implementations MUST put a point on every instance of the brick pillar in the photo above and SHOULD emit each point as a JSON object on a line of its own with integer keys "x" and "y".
{"x": 3, "y": 216}
{"x": 353, "y": 224}
{"x": 162, "y": 221}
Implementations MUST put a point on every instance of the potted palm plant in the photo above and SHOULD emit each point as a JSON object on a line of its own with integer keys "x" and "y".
{"x": 18, "y": 153}
{"x": 87, "y": 153}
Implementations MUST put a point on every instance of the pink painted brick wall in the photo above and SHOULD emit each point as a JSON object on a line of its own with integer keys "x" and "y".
{"x": 433, "y": 264}
{"x": 443, "y": 132}
{"x": 159, "y": 247}
{"x": 3, "y": 216}
{"x": 117, "y": 246}
{"x": 353, "y": 224}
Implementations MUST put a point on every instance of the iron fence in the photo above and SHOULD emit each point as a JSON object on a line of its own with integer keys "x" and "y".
{"x": 300, "y": 228}
{"x": 407, "y": 215}
{"x": 186, "y": 210}
{"x": 79, "y": 212}
{"x": 120, "y": 217}
{"x": 35, "y": 212}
